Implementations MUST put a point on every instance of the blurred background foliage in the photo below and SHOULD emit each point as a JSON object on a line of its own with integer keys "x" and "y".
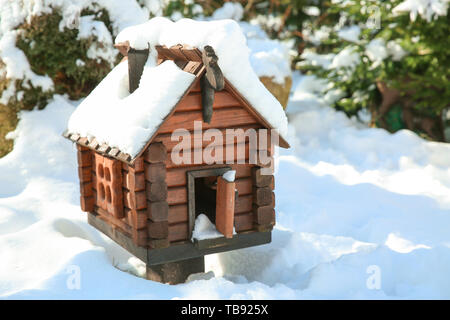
{"x": 382, "y": 66}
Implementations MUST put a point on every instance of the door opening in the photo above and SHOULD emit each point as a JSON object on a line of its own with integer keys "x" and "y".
{"x": 202, "y": 194}
{"x": 205, "y": 197}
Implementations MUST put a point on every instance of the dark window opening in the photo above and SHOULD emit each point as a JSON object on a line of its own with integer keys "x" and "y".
{"x": 205, "y": 197}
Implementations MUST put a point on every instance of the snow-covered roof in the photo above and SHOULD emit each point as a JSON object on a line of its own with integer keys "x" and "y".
{"x": 126, "y": 122}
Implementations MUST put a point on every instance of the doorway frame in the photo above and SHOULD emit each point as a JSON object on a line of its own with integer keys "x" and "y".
{"x": 191, "y": 175}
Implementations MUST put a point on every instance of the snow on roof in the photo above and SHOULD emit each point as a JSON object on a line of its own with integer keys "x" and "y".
{"x": 128, "y": 122}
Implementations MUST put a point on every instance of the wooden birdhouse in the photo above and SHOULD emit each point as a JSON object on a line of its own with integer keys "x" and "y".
{"x": 150, "y": 203}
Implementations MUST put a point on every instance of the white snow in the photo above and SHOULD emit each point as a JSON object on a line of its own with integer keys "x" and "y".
{"x": 350, "y": 33}
{"x": 351, "y": 202}
{"x": 229, "y": 10}
{"x": 127, "y": 121}
{"x": 376, "y": 51}
{"x": 229, "y": 175}
{"x": 204, "y": 229}
{"x": 16, "y": 63}
{"x": 427, "y": 9}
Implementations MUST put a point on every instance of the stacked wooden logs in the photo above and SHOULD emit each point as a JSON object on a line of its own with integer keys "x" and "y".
{"x": 87, "y": 198}
{"x": 156, "y": 189}
{"x": 263, "y": 200}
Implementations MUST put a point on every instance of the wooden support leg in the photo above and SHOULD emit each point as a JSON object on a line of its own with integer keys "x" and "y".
{"x": 175, "y": 272}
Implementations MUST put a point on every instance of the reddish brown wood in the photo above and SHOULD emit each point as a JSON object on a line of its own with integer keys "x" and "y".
{"x": 229, "y": 135}
{"x": 262, "y": 196}
{"x": 177, "y": 176}
{"x": 243, "y": 222}
{"x": 244, "y": 203}
{"x": 156, "y": 191}
{"x": 86, "y": 189}
{"x": 134, "y": 181}
{"x": 193, "y": 101}
{"x": 158, "y": 243}
{"x": 177, "y": 195}
{"x": 137, "y": 219}
{"x": 84, "y": 157}
{"x": 264, "y": 215}
{"x": 222, "y": 118}
{"x": 85, "y": 174}
{"x": 114, "y": 221}
{"x": 155, "y": 172}
{"x": 87, "y": 203}
{"x": 158, "y": 230}
{"x": 158, "y": 211}
{"x": 225, "y": 207}
{"x": 234, "y": 153}
{"x": 260, "y": 179}
{"x": 178, "y": 213}
{"x": 156, "y": 152}
{"x": 229, "y": 87}
{"x": 178, "y": 232}
{"x": 244, "y": 186}
{"x": 135, "y": 200}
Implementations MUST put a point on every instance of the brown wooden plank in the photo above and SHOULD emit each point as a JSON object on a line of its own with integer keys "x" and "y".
{"x": 84, "y": 157}
{"x": 158, "y": 230}
{"x": 222, "y": 118}
{"x": 158, "y": 211}
{"x": 193, "y": 101}
{"x": 263, "y": 196}
{"x": 177, "y": 195}
{"x": 230, "y": 135}
{"x": 178, "y": 232}
{"x": 134, "y": 181}
{"x": 113, "y": 221}
{"x": 243, "y": 222}
{"x": 178, "y": 213}
{"x": 156, "y": 152}
{"x": 235, "y": 153}
{"x": 230, "y": 88}
{"x": 264, "y": 215}
{"x": 155, "y": 172}
{"x": 137, "y": 219}
{"x": 86, "y": 189}
{"x": 158, "y": 243}
{"x": 156, "y": 191}
{"x": 260, "y": 179}
{"x": 191, "y": 54}
{"x": 225, "y": 207}
{"x": 244, "y": 186}
{"x": 137, "y": 201}
{"x": 177, "y": 176}
{"x": 87, "y": 203}
{"x": 243, "y": 204}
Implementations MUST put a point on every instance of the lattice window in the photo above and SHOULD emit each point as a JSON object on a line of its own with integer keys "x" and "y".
{"x": 109, "y": 185}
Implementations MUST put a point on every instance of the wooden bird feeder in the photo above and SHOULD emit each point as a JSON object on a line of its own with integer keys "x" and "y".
{"x": 149, "y": 205}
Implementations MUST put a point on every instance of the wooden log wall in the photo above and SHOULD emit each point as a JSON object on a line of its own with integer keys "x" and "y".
{"x": 156, "y": 195}
{"x": 227, "y": 113}
{"x": 85, "y": 161}
{"x": 263, "y": 200}
{"x": 133, "y": 222}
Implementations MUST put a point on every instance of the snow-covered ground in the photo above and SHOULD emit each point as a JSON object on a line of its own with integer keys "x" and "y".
{"x": 360, "y": 214}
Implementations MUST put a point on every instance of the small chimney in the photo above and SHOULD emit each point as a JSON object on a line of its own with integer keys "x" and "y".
{"x": 136, "y": 62}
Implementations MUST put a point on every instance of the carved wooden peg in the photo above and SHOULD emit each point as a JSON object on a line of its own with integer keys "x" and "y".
{"x": 213, "y": 73}
{"x": 136, "y": 62}
{"x": 212, "y": 81}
